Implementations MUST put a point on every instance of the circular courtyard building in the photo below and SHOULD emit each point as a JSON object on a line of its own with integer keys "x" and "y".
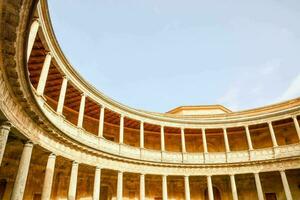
{"x": 60, "y": 138}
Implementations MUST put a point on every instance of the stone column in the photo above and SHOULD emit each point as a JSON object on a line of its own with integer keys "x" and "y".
{"x": 142, "y": 187}
{"x": 120, "y": 186}
{"x": 164, "y": 188}
{"x": 227, "y": 147}
{"x": 286, "y": 186}
{"x": 296, "y": 123}
{"x": 121, "y": 136}
{"x": 162, "y": 138}
{"x": 183, "y": 141}
{"x": 47, "y": 186}
{"x": 187, "y": 188}
{"x": 4, "y": 131}
{"x": 259, "y": 189}
{"x": 97, "y": 184}
{"x": 142, "y": 134}
{"x": 81, "y": 111}
{"x": 274, "y": 141}
{"x": 32, "y": 35}
{"x": 62, "y": 95}
{"x": 249, "y": 142}
{"x": 101, "y": 121}
{"x": 204, "y": 141}
{"x": 44, "y": 74}
{"x": 210, "y": 188}
{"x": 233, "y": 187}
{"x": 20, "y": 182}
{"x": 73, "y": 181}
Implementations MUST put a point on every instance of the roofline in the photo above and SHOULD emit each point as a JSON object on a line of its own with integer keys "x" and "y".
{"x": 199, "y": 106}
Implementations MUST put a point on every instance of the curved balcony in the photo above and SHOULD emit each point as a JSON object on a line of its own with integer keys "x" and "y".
{"x": 91, "y": 118}
{"x": 77, "y": 133}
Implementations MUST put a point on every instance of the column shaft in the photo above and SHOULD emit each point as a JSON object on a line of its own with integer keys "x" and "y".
{"x": 162, "y": 138}
{"x": 4, "y": 131}
{"x": 142, "y": 135}
{"x": 44, "y": 74}
{"x": 273, "y": 137}
{"x": 97, "y": 184}
{"x": 47, "y": 186}
{"x": 164, "y": 187}
{"x": 233, "y": 188}
{"x": 249, "y": 142}
{"x": 286, "y": 186}
{"x": 297, "y": 127}
{"x": 227, "y": 147}
{"x": 62, "y": 95}
{"x": 204, "y": 141}
{"x": 210, "y": 188}
{"x": 73, "y": 182}
{"x": 32, "y": 35}
{"x": 183, "y": 141}
{"x": 101, "y": 122}
{"x": 20, "y": 182}
{"x": 259, "y": 189}
{"x": 187, "y": 188}
{"x": 142, "y": 187}
{"x": 81, "y": 111}
{"x": 120, "y": 186}
{"x": 121, "y": 136}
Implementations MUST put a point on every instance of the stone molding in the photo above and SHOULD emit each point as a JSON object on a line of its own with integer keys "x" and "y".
{"x": 18, "y": 104}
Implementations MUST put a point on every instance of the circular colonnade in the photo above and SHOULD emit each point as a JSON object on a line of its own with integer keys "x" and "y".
{"x": 71, "y": 134}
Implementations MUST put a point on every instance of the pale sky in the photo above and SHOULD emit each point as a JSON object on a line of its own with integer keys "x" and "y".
{"x": 159, "y": 54}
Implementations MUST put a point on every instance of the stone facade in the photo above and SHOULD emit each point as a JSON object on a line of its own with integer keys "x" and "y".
{"x": 60, "y": 138}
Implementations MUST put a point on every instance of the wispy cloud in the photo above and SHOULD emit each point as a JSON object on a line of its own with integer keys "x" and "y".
{"x": 292, "y": 91}
{"x": 231, "y": 98}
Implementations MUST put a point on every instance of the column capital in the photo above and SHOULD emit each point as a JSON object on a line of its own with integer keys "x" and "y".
{"x": 49, "y": 53}
{"x": 65, "y": 77}
{"x": 29, "y": 143}
{"x": 98, "y": 168}
{"x": 75, "y": 163}
{"x": 6, "y": 125}
{"x": 53, "y": 155}
{"x": 36, "y": 19}
{"x": 83, "y": 94}
{"x": 269, "y": 123}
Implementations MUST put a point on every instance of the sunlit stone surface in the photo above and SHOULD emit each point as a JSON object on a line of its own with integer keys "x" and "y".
{"x": 62, "y": 139}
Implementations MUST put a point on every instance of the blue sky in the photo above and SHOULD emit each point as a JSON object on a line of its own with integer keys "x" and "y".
{"x": 159, "y": 54}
